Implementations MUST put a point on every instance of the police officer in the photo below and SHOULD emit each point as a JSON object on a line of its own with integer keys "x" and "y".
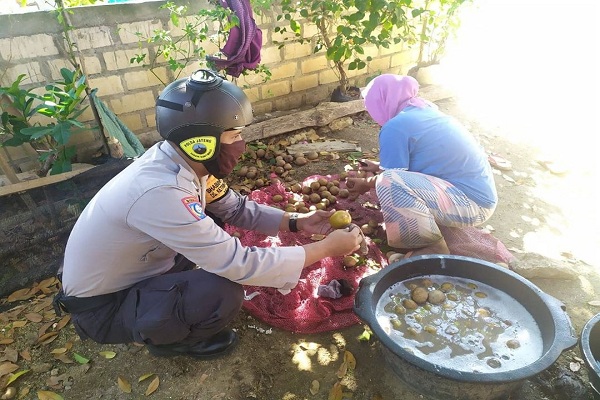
{"x": 146, "y": 262}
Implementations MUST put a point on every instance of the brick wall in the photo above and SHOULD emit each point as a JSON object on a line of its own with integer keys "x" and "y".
{"x": 31, "y": 44}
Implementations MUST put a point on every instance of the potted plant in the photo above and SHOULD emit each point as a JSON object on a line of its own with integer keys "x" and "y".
{"x": 346, "y": 27}
{"x": 59, "y": 107}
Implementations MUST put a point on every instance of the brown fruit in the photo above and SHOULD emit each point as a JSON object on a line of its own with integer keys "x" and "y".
{"x": 340, "y": 219}
{"x": 315, "y": 198}
{"x": 313, "y": 155}
{"x": 344, "y": 193}
{"x": 419, "y": 295}
{"x": 277, "y": 198}
{"x": 350, "y": 261}
{"x": 300, "y": 161}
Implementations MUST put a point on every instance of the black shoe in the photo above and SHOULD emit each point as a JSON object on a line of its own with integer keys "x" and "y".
{"x": 216, "y": 346}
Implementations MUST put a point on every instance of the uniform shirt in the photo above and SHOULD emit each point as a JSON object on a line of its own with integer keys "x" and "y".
{"x": 428, "y": 141}
{"x": 136, "y": 224}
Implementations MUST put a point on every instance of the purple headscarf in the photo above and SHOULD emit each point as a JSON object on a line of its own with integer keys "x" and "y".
{"x": 388, "y": 94}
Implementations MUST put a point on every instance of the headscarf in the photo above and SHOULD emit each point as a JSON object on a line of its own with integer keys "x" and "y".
{"x": 388, "y": 94}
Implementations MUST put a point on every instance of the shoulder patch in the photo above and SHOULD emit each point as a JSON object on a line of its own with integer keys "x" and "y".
{"x": 194, "y": 207}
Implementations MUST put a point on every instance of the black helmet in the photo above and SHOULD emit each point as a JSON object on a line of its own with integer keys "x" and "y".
{"x": 193, "y": 112}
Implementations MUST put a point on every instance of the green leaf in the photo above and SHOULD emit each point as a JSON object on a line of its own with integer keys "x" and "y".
{"x": 365, "y": 336}
{"x": 36, "y": 132}
{"x": 15, "y": 376}
{"x": 108, "y": 354}
{"x": 62, "y": 132}
{"x": 80, "y": 359}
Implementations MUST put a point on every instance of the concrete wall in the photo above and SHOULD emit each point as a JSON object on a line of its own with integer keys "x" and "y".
{"x": 32, "y": 44}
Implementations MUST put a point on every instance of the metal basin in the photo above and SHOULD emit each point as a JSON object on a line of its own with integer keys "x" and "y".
{"x": 590, "y": 348}
{"x": 443, "y": 382}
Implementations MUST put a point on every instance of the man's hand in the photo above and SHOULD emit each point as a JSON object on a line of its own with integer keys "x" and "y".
{"x": 316, "y": 222}
{"x": 343, "y": 241}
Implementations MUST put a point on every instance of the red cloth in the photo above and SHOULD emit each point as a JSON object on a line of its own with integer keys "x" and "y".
{"x": 301, "y": 310}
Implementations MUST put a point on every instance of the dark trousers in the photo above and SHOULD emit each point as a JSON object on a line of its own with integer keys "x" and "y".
{"x": 181, "y": 306}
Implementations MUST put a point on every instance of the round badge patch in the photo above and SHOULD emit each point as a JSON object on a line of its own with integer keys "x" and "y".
{"x": 200, "y": 148}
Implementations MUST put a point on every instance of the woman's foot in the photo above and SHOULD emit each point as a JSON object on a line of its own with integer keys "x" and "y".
{"x": 439, "y": 247}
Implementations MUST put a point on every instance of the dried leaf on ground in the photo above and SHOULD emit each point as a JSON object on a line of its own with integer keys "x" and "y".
{"x": 595, "y": 303}
{"x": 19, "y": 324}
{"x": 108, "y": 354}
{"x": 44, "y": 328}
{"x": 34, "y": 317}
{"x": 10, "y": 354}
{"x": 314, "y": 387}
{"x": 349, "y": 359}
{"x": 152, "y": 386}
{"x": 47, "y": 338}
{"x": 336, "y": 392}
{"x": 124, "y": 384}
{"x": 341, "y": 372}
{"x": 22, "y": 294}
{"x": 63, "y": 322}
{"x": 64, "y": 358}
{"x": 145, "y": 376}
{"x": 7, "y": 367}
{"x": 48, "y": 395}
{"x": 7, "y": 340}
{"x": 25, "y": 354}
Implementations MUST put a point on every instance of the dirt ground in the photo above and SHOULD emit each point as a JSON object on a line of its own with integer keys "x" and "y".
{"x": 536, "y": 219}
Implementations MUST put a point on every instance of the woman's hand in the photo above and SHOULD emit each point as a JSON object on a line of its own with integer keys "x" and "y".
{"x": 369, "y": 166}
{"x": 358, "y": 186}
{"x": 315, "y": 222}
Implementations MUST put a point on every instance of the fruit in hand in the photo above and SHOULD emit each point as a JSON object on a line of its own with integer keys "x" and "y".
{"x": 340, "y": 219}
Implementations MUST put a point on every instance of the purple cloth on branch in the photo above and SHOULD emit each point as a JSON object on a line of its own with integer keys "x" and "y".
{"x": 244, "y": 43}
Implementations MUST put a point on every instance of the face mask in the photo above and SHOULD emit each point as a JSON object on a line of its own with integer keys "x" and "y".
{"x": 228, "y": 157}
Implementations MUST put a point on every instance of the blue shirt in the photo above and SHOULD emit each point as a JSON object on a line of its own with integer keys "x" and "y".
{"x": 428, "y": 141}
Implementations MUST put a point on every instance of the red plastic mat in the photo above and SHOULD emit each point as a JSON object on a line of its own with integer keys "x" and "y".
{"x": 302, "y": 310}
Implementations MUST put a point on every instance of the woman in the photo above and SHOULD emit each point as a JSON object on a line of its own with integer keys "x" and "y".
{"x": 432, "y": 172}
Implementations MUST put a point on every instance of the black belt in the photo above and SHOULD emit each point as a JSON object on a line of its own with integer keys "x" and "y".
{"x": 74, "y": 305}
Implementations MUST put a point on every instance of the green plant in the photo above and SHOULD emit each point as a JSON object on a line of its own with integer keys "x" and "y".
{"x": 346, "y": 27}
{"x": 440, "y": 20}
{"x": 61, "y": 104}
{"x": 198, "y": 30}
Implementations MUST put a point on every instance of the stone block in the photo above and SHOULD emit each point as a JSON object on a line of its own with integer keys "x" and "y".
{"x": 327, "y": 76}
{"x": 107, "y": 85}
{"x": 315, "y": 63}
{"x": 31, "y": 69}
{"x": 92, "y": 65}
{"x": 27, "y": 47}
{"x": 305, "y": 82}
{"x": 144, "y": 79}
{"x": 127, "y": 32}
{"x": 132, "y": 102}
{"x": 120, "y": 59}
{"x": 275, "y": 89}
{"x": 93, "y": 38}
{"x": 296, "y": 50}
{"x": 56, "y": 65}
{"x": 270, "y": 55}
{"x": 283, "y": 71}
